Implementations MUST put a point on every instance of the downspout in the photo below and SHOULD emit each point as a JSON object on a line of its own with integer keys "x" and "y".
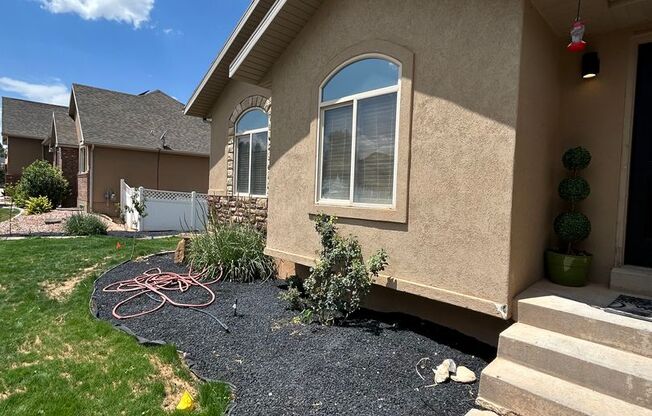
{"x": 90, "y": 178}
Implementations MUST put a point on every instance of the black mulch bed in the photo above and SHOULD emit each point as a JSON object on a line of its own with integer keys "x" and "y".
{"x": 279, "y": 368}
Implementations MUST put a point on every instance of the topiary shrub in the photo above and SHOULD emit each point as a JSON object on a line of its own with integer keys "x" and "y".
{"x": 572, "y": 226}
{"x": 236, "y": 249}
{"x": 341, "y": 280}
{"x": 42, "y": 179}
{"x": 84, "y": 224}
{"x": 38, "y": 205}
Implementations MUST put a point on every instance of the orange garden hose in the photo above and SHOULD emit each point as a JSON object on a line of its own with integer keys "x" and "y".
{"x": 154, "y": 283}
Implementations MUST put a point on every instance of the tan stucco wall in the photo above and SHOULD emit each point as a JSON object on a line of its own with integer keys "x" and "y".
{"x": 232, "y": 95}
{"x": 537, "y": 150}
{"x": 137, "y": 168}
{"x": 21, "y": 153}
{"x": 455, "y": 245}
{"x": 593, "y": 115}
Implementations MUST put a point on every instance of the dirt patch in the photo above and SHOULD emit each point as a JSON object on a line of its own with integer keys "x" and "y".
{"x": 174, "y": 385}
{"x": 60, "y": 291}
{"x": 4, "y": 395}
{"x": 3, "y": 288}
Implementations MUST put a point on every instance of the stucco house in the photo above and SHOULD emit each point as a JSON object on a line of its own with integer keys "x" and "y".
{"x": 435, "y": 129}
{"x": 144, "y": 139}
{"x": 25, "y": 125}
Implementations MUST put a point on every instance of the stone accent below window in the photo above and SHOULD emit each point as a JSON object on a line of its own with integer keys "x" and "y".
{"x": 242, "y": 210}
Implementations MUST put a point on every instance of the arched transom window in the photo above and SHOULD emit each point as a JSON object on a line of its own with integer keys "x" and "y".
{"x": 252, "y": 134}
{"x": 358, "y": 133}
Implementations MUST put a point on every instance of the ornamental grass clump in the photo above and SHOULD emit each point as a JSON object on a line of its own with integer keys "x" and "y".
{"x": 236, "y": 249}
{"x": 573, "y": 226}
{"x": 341, "y": 280}
{"x": 38, "y": 205}
{"x": 84, "y": 224}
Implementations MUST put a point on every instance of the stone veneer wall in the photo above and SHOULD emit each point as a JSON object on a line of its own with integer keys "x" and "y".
{"x": 82, "y": 190}
{"x": 231, "y": 207}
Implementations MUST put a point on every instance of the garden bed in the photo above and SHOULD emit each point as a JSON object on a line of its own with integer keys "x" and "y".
{"x": 280, "y": 367}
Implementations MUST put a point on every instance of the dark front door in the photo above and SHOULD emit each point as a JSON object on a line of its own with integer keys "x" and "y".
{"x": 638, "y": 243}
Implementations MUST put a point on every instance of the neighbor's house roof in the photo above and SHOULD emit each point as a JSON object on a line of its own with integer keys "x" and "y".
{"x": 28, "y": 119}
{"x": 261, "y": 36}
{"x": 117, "y": 119}
{"x": 63, "y": 131}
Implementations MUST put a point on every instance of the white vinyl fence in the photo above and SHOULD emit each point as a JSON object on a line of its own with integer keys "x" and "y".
{"x": 164, "y": 210}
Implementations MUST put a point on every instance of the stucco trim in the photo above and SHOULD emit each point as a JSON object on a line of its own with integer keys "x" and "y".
{"x": 399, "y": 212}
{"x": 488, "y": 307}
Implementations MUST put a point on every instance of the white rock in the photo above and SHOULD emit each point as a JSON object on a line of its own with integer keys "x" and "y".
{"x": 476, "y": 412}
{"x": 452, "y": 367}
{"x": 463, "y": 375}
{"x": 443, "y": 372}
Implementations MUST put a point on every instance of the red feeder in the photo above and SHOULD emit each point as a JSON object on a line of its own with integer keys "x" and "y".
{"x": 577, "y": 33}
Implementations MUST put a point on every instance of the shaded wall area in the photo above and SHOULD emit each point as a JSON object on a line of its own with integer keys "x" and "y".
{"x": 21, "y": 153}
{"x": 67, "y": 159}
{"x": 592, "y": 114}
{"x": 138, "y": 168}
{"x": 537, "y": 150}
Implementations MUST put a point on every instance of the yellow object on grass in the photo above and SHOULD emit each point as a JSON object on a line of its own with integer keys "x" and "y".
{"x": 186, "y": 402}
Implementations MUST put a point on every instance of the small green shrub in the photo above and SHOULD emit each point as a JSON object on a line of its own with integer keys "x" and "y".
{"x": 237, "y": 249}
{"x": 42, "y": 179}
{"x": 294, "y": 298}
{"x": 84, "y": 224}
{"x": 573, "y": 226}
{"x": 38, "y": 205}
{"x": 341, "y": 280}
{"x": 16, "y": 194}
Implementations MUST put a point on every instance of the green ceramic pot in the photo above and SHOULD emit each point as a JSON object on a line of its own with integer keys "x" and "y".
{"x": 568, "y": 270}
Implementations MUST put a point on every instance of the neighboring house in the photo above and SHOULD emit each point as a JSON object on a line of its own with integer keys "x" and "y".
{"x": 25, "y": 125}
{"x": 434, "y": 129}
{"x": 144, "y": 139}
{"x": 63, "y": 146}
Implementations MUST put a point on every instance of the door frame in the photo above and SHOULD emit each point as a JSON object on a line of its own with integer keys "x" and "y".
{"x": 626, "y": 153}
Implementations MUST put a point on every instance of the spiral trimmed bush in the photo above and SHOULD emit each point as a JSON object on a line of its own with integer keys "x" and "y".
{"x": 572, "y": 226}
{"x": 576, "y": 158}
{"x": 574, "y": 189}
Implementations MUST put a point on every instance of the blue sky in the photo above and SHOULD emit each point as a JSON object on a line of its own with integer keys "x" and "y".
{"x": 124, "y": 45}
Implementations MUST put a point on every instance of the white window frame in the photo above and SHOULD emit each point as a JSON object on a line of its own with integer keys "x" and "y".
{"x": 84, "y": 150}
{"x": 236, "y": 140}
{"x": 353, "y": 101}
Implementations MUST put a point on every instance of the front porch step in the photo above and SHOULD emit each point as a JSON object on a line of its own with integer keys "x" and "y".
{"x": 511, "y": 389}
{"x": 620, "y": 374}
{"x": 580, "y": 320}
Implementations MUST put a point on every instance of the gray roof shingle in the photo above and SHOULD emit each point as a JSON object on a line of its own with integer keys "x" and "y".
{"x": 114, "y": 118}
{"x": 24, "y": 118}
{"x": 66, "y": 131}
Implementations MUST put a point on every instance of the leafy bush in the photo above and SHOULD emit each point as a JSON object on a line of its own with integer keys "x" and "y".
{"x": 42, "y": 179}
{"x": 572, "y": 226}
{"x": 340, "y": 280}
{"x": 38, "y": 205}
{"x": 16, "y": 194}
{"x": 294, "y": 298}
{"x": 84, "y": 224}
{"x": 235, "y": 248}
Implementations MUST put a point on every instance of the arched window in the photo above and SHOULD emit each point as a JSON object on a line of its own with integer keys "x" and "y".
{"x": 358, "y": 133}
{"x": 252, "y": 134}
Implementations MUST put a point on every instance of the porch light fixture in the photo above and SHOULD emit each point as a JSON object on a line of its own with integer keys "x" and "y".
{"x": 590, "y": 65}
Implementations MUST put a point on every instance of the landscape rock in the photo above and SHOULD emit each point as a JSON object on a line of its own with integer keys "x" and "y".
{"x": 442, "y": 372}
{"x": 463, "y": 375}
{"x": 476, "y": 412}
{"x": 180, "y": 252}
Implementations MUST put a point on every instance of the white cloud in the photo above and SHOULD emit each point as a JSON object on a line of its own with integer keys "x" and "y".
{"x": 134, "y": 12}
{"x": 56, "y": 93}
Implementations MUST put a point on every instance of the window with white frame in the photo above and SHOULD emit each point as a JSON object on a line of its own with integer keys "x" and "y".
{"x": 252, "y": 135}
{"x": 83, "y": 159}
{"x": 358, "y": 133}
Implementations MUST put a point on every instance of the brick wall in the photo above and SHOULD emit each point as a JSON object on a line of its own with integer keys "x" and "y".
{"x": 241, "y": 210}
{"x": 82, "y": 190}
{"x": 68, "y": 161}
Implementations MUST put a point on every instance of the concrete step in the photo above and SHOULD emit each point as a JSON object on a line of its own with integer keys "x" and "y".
{"x": 580, "y": 320}
{"x": 617, "y": 373}
{"x": 512, "y": 389}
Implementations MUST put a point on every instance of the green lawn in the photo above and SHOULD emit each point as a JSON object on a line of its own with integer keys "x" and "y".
{"x": 56, "y": 359}
{"x": 6, "y": 213}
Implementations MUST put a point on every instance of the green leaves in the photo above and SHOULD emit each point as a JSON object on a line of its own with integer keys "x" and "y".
{"x": 38, "y": 205}
{"x": 84, "y": 224}
{"x": 574, "y": 189}
{"x": 576, "y": 158}
{"x": 340, "y": 280}
{"x": 42, "y": 179}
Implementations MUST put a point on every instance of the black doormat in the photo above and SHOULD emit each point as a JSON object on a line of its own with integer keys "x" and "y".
{"x": 631, "y": 306}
